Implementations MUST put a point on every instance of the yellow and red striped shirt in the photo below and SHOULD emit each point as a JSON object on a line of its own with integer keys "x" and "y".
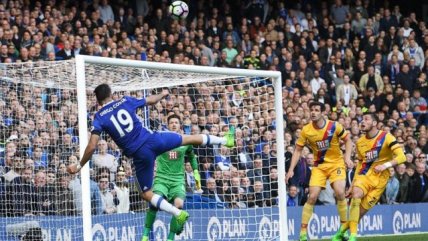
{"x": 324, "y": 142}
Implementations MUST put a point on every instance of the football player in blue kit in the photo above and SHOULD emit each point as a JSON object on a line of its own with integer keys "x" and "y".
{"x": 119, "y": 120}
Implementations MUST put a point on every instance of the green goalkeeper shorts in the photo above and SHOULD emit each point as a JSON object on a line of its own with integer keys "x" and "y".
{"x": 169, "y": 190}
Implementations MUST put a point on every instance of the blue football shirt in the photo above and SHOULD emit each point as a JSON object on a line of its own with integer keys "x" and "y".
{"x": 120, "y": 121}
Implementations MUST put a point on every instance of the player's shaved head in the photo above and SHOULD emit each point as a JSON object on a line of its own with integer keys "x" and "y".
{"x": 102, "y": 92}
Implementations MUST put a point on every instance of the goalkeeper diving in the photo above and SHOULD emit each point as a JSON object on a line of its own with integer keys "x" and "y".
{"x": 169, "y": 180}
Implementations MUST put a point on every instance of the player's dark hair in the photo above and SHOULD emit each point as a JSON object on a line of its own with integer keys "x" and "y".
{"x": 372, "y": 115}
{"x": 316, "y": 103}
{"x": 102, "y": 92}
{"x": 174, "y": 116}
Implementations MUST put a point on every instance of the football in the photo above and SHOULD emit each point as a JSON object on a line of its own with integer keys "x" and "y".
{"x": 178, "y": 10}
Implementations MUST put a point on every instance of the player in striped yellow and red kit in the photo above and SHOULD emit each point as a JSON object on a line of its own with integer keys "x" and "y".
{"x": 377, "y": 151}
{"x": 323, "y": 137}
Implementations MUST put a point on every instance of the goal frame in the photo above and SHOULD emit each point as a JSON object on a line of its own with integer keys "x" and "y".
{"x": 81, "y": 60}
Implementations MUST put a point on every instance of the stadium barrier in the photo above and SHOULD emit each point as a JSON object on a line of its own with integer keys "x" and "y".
{"x": 382, "y": 220}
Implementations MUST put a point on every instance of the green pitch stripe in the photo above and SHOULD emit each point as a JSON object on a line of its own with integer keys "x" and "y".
{"x": 394, "y": 237}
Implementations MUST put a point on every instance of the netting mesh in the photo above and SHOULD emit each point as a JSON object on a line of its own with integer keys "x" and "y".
{"x": 59, "y": 75}
{"x": 239, "y": 186}
{"x": 130, "y": 78}
{"x": 62, "y": 74}
{"x": 40, "y": 136}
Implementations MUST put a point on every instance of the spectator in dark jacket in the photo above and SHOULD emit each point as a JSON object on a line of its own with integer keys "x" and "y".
{"x": 211, "y": 191}
{"x": 261, "y": 197}
{"x": 393, "y": 69}
{"x": 66, "y": 53}
{"x": 64, "y": 204}
{"x": 45, "y": 194}
{"x": 302, "y": 175}
{"x": 403, "y": 179}
{"x": 292, "y": 196}
{"x": 25, "y": 200}
{"x": 420, "y": 180}
{"x": 372, "y": 99}
{"x": 327, "y": 51}
{"x": 405, "y": 80}
{"x": 206, "y": 170}
{"x": 387, "y": 21}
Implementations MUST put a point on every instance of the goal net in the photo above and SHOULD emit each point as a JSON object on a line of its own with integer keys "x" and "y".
{"x": 240, "y": 195}
{"x": 39, "y": 136}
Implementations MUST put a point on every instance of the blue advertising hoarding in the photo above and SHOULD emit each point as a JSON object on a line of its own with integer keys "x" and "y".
{"x": 222, "y": 224}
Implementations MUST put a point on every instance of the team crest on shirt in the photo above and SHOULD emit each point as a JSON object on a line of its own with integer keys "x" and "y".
{"x": 379, "y": 144}
{"x": 371, "y": 155}
{"x": 330, "y": 132}
{"x": 172, "y": 155}
{"x": 323, "y": 145}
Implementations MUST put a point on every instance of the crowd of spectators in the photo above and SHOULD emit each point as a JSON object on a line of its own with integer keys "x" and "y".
{"x": 353, "y": 56}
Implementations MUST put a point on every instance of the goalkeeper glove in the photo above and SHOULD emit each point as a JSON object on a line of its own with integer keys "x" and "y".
{"x": 197, "y": 179}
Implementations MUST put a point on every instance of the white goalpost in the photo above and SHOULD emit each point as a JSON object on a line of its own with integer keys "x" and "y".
{"x": 149, "y": 81}
{"x": 246, "y": 198}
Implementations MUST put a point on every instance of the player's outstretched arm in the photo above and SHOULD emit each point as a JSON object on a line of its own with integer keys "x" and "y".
{"x": 153, "y": 99}
{"x": 90, "y": 148}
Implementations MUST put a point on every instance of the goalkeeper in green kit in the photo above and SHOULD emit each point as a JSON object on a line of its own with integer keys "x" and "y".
{"x": 169, "y": 180}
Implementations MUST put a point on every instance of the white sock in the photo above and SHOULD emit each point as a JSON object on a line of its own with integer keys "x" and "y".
{"x": 213, "y": 140}
{"x": 163, "y": 205}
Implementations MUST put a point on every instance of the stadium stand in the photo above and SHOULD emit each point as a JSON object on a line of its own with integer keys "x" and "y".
{"x": 354, "y": 57}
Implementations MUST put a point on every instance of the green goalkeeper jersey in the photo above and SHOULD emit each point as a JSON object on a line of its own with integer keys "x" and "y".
{"x": 170, "y": 164}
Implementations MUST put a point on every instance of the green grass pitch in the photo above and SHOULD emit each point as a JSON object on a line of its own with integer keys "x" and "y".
{"x": 409, "y": 237}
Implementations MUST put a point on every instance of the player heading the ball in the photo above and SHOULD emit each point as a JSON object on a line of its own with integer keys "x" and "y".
{"x": 119, "y": 120}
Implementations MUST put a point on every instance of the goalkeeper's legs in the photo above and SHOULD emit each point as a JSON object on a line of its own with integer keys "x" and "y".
{"x": 144, "y": 173}
{"x": 160, "y": 203}
{"x": 175, "y": 228}
{"x": 179, "y": 216}
{"x": 148, "y": 224}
